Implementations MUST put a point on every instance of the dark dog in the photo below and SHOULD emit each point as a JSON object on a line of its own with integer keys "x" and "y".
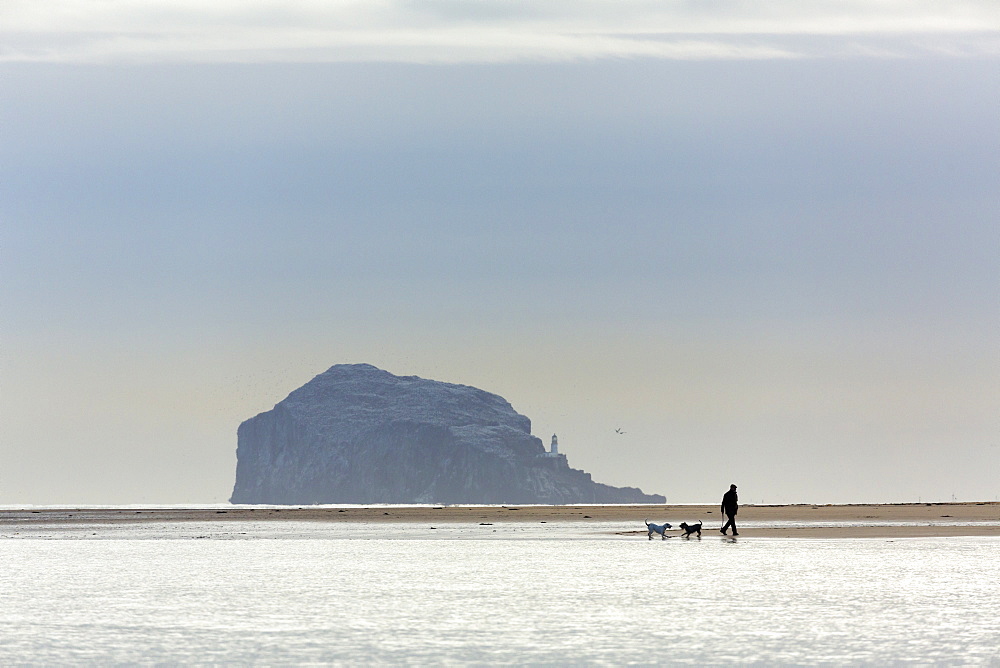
{"x": 657, "y": 528}
{"x": 689, "y": 529}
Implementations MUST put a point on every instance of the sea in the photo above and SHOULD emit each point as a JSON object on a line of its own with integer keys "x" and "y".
{"x": 552, "y": 594}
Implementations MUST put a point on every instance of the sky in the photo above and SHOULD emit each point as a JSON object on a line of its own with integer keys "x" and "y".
{"x": 762, "y": 239}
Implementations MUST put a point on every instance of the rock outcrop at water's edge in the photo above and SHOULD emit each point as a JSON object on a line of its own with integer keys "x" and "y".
{"x": 357, "y": 434}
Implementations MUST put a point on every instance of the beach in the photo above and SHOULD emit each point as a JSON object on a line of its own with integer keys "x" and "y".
{"x": 755, "y": 521}
{"x": 498, "y": 585}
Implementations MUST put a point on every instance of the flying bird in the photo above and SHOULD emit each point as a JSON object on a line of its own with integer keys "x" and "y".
{"x": 619, "y": 431}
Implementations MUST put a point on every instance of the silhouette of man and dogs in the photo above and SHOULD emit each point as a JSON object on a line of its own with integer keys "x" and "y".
{"x": 730, "y": 506}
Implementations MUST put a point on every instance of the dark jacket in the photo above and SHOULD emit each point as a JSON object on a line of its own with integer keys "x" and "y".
{"x": 729, "y": 502}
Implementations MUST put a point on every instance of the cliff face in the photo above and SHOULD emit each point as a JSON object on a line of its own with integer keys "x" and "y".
{"x": 356, "y": 434}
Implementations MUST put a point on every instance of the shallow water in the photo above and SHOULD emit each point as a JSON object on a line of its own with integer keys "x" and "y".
{"x": 359, "y": 594}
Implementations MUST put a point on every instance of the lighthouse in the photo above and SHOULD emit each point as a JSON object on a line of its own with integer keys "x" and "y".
{"x": 552, "y": 458}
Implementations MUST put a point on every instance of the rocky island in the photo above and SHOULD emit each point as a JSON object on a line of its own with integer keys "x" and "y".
{"x": 358, "y": 434}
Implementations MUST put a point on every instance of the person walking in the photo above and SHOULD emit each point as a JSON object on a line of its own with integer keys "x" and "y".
{"x": 730, "y": 504}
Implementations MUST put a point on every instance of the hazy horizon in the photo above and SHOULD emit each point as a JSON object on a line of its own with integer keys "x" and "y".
{"x": 761, "y": 240}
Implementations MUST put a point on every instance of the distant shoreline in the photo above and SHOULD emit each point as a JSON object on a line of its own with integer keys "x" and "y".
{"x": 764, "y": 521}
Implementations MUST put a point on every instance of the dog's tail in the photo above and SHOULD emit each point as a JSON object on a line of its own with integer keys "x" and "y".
{"x": 647, "y": 522}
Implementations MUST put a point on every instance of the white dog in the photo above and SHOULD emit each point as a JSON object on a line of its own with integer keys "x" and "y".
{"x": 657, "y": 528}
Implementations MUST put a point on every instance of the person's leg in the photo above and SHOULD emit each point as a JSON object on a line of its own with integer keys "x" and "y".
{"x": 726, "y": 525}
{"x": 732, "y": 523}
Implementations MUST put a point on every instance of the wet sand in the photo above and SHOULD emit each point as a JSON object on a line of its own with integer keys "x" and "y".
{"x": 771, "y": 521}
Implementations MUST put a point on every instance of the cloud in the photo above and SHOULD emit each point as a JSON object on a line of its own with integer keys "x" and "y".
{"x": 448, "y": 31}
